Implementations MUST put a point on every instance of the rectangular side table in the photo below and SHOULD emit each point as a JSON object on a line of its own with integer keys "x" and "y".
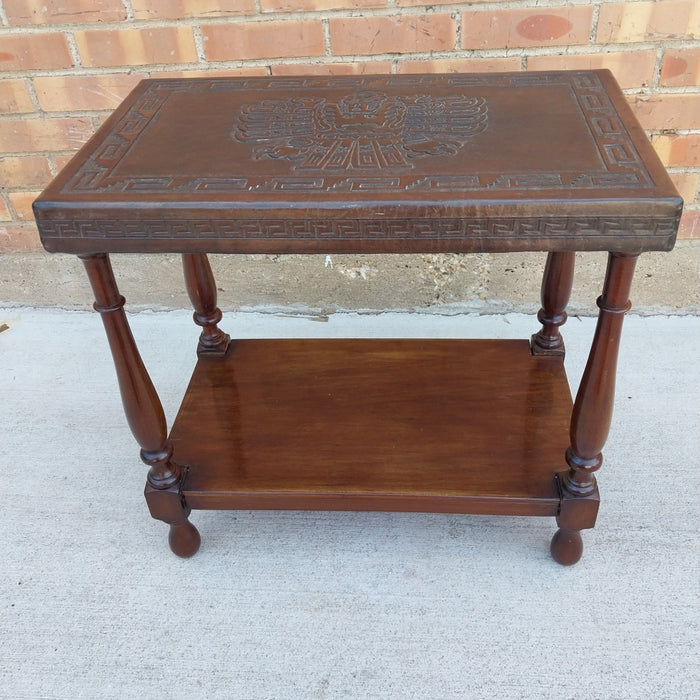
{"x": 550, "y": 162}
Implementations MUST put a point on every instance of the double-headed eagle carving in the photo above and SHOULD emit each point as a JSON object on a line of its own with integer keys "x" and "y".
{"x": 365, "y": 130}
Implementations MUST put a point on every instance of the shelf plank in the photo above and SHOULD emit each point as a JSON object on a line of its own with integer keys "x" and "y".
{"x": 473, "y": 426}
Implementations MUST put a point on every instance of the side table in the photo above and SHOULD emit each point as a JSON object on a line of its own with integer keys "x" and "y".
{"x": 457, "y": 163}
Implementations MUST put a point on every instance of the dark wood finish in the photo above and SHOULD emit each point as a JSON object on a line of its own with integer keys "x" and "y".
{"x": 143, "y": 409}
{"x": 590, "y": 421}
{"x": 367, "y": 164}
{"x": 169, "y": 506}
{"x": 375, "y": 425}
{"x": 592, "y": 414}
{"x": 142, "y": 406}
{"x": 556, "y": 289}
{"x": 201, "y": 288}
{"x": 551, "y": 162}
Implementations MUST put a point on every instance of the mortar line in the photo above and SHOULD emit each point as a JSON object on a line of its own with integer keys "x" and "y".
{"x": 199, "y": 45}
{"x": 31, "y": 89}
{"x": 457, "y": 16}
{"x": 74, "y": 50}
{"x": 129, "y": 10}
{"x": 86, "y": 71}
{"x": 327, "y": 45}
{"x": 656, "y": 75}
{"x": 594, "y": 25}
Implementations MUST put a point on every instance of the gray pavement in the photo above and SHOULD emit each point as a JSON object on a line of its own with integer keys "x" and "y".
{"x": 336, "y": 605}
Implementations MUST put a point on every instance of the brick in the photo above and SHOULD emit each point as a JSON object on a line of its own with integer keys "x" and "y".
{"x": 60, "y": 162}
{"x": 690, "y": 224}
{"x": 19, "y": 238}
{"x": 4, "y": 211}
{"x": 680, "y": 67}
{"x": 34, "y": 135}
{"x": 667, "y": 111}
{"x": 14, "y": 97}
{"x": 24, "y": 171}
{"x": 84, "y": 92}
{"x": 377, "y": 35}
{"x": 136, "y": 47}
{"x": 461, "y": 65}
{"x": 251, "y": 40}
{"x": 687, "y": 185}
{"x": 311, "y": 5}
{"x": 21, "y": 203}
{"x": 360, "y": 68}
{"x": 184, "y": 9}
{"x": 630, "y": 69}
{"x": 541, "y": 26}
{"x": 100, "y": 119}
{"x": 58, "y": 11}
{"x": 676, "y": 150}
{"x": 648, "y": 21}
{"x": 34, "y": 51}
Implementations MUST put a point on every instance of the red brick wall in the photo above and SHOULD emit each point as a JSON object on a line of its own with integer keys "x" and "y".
{"x": 64, "y": 64}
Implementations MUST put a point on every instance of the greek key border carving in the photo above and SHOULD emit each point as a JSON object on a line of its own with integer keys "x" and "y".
{"x": 361, "y": 229}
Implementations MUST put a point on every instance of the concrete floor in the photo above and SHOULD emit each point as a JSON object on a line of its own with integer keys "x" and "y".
{"x": 336, "y": 605}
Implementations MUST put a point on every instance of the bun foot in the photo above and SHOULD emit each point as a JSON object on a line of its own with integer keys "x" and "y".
{"x": 184, "y": 539}
{"x": 566, "y": 546}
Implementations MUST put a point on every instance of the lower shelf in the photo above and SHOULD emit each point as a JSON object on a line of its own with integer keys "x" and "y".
{"x": 463, "y": 426}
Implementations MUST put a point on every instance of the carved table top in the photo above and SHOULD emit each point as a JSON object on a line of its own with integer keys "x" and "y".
{"x": 425, "y": 163}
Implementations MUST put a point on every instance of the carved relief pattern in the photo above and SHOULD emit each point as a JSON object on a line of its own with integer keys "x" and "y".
{"x": 367, "y": 130}
{"x": 472, "y": 229}
{"x": 365, "y": 142}
{"x": 623, "y": 165}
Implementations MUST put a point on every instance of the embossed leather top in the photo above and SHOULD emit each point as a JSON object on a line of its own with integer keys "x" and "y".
{"x": 426, "y": 163}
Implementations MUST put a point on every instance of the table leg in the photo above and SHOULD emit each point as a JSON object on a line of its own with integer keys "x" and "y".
{"x": 556, "y": 289}
{"x": 143, "y": 409}
{"x": 592, "y": 414}
{"x": 201, "y": 288}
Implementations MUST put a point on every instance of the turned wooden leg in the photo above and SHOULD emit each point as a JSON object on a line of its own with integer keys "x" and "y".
{"x": 590, "y": 420}
{"x": 201, "y": 288}
{"x": 556, "y": 289}
{"x": 142, "y": 406}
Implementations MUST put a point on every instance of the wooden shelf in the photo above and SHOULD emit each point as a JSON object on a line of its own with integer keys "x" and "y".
{"x": 467, "y": 426}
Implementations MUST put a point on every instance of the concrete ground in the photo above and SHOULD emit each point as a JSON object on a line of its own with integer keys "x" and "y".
{"x": 335, "y": 605}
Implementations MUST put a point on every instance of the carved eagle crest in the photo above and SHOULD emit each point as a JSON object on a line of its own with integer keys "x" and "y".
{"x": 365, "y": 130}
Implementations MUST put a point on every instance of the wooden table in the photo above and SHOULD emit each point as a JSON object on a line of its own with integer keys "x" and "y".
{"x": 378, "y": 164}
